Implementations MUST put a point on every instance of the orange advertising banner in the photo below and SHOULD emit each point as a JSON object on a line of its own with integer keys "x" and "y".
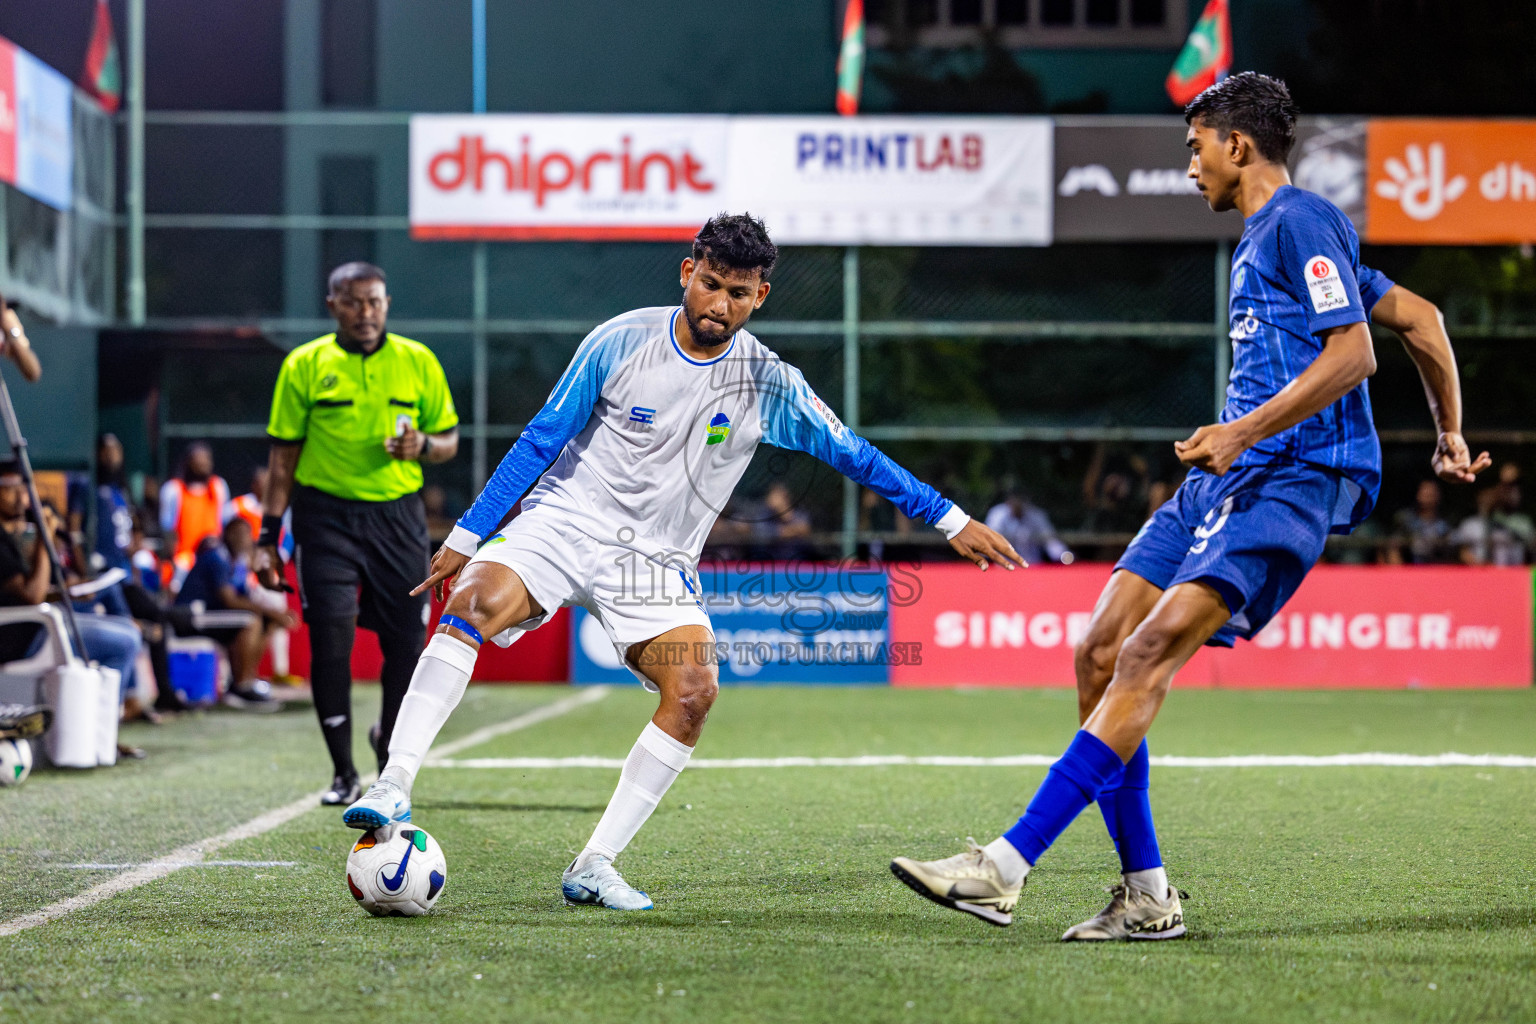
{"x": 1456, "y": 182}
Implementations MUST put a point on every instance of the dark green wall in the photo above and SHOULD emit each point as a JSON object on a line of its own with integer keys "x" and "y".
{"x": 770, "y": 56}
{"x": 58, "y": 413}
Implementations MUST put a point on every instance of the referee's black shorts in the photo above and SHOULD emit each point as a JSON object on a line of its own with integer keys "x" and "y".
{"x": 361, "y": 558}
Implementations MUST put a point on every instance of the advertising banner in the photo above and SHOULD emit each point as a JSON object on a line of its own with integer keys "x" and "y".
{"x": 815, "y": 180}
{"x": 553, "y": 176}
{"x": 1456, "y": 182}
{"x": 895, "y": 180}
{"x": 1127, "y": 180}
{"x": 1346, "y": 627}
{"x": 1329, "y": 159}
{"x": 36, "y": 136}
{"x": 8, "y": 114}
{"x": 808, "y": 623}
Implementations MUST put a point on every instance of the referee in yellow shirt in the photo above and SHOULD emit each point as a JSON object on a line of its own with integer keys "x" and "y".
{"x": 354, "y": 415}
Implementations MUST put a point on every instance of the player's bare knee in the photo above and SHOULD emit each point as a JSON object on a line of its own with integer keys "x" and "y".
{"x": 1094, "y": 660}
{"x": 1137, "y": 663}
{"x": 480, "y": 606}
{"x": 694, "y": 692}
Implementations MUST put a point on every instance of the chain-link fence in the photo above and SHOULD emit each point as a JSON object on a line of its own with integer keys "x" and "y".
{"x": 1065, "y": 371}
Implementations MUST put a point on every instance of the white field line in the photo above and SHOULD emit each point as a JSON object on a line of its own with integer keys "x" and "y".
{"x": 196, "y": 853}
{"x": 1024, "y": 761}
{"x": 90, "y": 866}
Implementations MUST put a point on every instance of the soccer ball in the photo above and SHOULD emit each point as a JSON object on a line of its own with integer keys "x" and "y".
{"x": 396, "y": 871}
{"x": 15, "y": 762}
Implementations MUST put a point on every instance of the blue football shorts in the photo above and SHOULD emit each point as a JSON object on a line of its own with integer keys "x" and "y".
{"x": 1252, "y": 535}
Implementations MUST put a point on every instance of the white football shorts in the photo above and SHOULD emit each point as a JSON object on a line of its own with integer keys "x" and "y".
{"x": 635, "y": 595}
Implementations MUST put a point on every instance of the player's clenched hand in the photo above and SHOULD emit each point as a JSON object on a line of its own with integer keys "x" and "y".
{"x": 446, "y": 564}
{"x": 1453, "y": 461}
{"x": 1212, "y": 448}
{"x": 983, "y": 545}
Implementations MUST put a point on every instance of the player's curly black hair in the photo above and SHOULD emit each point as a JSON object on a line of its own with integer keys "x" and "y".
{"x": 736, "y": 241}
{"x": 1258, "y": 106}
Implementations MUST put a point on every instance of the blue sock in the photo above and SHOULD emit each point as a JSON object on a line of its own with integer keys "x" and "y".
{"x": 1128, "y": 815}
{"x": 1087, "y": 768}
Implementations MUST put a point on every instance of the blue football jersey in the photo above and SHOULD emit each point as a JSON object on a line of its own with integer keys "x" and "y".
{"x": 1295, "y": 274}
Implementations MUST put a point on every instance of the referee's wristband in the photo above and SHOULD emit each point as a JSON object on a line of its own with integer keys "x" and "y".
{"x": 271, "y": 530}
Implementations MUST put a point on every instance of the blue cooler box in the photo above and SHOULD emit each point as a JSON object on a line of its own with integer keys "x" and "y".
{"x": 194, "y": 664}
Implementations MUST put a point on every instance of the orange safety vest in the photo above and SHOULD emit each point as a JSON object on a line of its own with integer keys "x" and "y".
{"x": 200, "y": 514}
{"x": 248, "y": 508}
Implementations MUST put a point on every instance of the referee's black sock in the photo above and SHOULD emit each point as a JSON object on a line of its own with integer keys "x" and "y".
{"x": 330, "y": 672}
{"x": 401, "y": 650}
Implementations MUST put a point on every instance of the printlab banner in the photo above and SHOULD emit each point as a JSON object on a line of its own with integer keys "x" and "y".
{"x": 774, "y": 623}
{"x": 815, "y": 180}
{"x": 1346, "y": 627}
{"x": 36, "y": 135}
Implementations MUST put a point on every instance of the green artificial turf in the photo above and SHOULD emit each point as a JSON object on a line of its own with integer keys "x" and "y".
{"x": 1349, "y": 894}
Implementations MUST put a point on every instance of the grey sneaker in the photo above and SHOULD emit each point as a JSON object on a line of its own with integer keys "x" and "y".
{"x": 967, "y": 881}
{"x": 598, "y": 884}
{"x": 1132, "y": 914}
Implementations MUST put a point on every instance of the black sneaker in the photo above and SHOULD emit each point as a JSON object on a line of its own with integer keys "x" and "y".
{"x": 345, "y": 789}
{"x": 255, "y": 697}
{"x": 376, "y": 744}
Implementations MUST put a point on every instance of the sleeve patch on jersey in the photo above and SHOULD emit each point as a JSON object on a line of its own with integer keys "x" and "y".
{"x": 1324, "y": 285}
{"x": 835, "y": 424}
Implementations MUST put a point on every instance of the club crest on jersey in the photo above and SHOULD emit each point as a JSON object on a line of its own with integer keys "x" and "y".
{"x": 718, "y": 430}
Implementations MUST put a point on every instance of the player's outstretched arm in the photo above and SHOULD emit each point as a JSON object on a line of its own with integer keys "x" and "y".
{"x": 1419, "y": 324}
{"x": 794, "y": 417}
{"x": 1348, "y": 358}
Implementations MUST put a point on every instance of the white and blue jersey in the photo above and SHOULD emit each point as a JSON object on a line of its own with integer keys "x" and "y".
{"x": 1295, "y": 274}
{"x": 637, "y": 436}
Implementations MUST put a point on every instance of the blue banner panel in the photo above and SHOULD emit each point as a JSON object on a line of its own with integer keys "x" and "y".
{"x": 798, "y": 623}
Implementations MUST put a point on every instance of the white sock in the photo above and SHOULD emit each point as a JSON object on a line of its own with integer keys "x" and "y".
{"x": 437, "y": 686}
{"x": 277, "y": 643}
{"x": 1152, "y": 881}
{"x": 1010, "y": 862}
{"x": 654, "y": 761}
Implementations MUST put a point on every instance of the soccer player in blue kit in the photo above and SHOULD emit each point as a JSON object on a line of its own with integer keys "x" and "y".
{"x": 1294, "y": 458}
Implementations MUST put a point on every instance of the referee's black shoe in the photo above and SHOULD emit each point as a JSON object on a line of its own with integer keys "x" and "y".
{"x": 345, "y": 789}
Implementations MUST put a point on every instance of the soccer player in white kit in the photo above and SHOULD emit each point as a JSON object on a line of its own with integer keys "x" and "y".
{"x": 648, "y": 430}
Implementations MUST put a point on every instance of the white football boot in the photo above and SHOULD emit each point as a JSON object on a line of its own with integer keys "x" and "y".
{"x": 385, "y": 803}
{"x": 1132, "y": 914}
{"x": 968, "y": 881}
{"x": 598, "y": 884}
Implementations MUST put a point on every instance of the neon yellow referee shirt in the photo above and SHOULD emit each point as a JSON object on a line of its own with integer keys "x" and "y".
{"x": 343, "y": 405}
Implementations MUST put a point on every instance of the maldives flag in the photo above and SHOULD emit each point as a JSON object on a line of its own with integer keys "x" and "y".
{"x": 850, "y": 60}
{"x": 1206, "y": 57}
{"x": 103, "y": 76}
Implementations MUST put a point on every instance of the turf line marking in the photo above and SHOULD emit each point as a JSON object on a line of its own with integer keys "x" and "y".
{"x": 188, "y": 864}
{"x": 195, "y": 853}
{"x": 1023, "y": 761}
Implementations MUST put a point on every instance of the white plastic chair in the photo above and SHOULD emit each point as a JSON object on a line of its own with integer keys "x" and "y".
{"x": 21, "y": 681}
